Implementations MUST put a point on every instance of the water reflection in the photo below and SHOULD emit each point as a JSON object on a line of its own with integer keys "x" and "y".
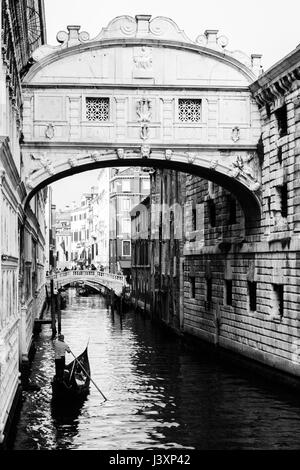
{"x": 159, "y": 394}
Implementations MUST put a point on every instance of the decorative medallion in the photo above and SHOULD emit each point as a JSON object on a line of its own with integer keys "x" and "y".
{"x": 235, "y": 134}
{"x": 49, "y": 132}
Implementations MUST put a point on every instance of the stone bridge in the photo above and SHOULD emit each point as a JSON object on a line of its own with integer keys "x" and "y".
{"x": 113, "y": 282}
{"x": 142, "y": 93}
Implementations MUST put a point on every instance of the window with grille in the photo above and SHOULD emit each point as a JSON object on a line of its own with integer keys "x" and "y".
{"x": 189, "y": 110}
{"x": 97, "y": 109}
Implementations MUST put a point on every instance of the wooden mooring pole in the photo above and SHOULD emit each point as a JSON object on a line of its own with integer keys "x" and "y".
{"x": 58, "y": 301}
{"x": 53, "y": 322}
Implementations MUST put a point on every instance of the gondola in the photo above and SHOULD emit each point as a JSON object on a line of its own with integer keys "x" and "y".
{"x": 82, "y": 291}
{"x": 76, "y": 380}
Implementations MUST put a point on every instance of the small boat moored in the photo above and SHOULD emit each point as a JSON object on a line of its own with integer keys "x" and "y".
{"x": 76, "y": 380}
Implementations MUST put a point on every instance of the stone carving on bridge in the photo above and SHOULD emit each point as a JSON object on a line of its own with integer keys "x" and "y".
{"x": 46, "y": 163}
{"x": 235, "y": 134}
{"x": 145, "y": 151}
{"x": 29, "y": 183}
{"x": 143, "y": 59}
{"x": 168, "y": 154}
{"x": 143, "y": 111}
{"x": 213, "y": 164}
{"x": 190, "y": 157}
{"x": 49, "y": 132}
{"x": 72, "y": 162}
{"x": 120, "y": 153}
{"x": 247, "y": 167}
{"x": 95, "y": 156}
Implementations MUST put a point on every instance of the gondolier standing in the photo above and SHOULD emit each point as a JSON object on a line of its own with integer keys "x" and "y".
{"x": 60, "y": 348}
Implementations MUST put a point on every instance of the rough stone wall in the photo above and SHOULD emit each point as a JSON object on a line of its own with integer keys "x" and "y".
{"x": 263, "y": 264}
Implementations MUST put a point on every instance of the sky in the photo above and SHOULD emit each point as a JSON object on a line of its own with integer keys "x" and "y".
{"x": 267, "y": 27}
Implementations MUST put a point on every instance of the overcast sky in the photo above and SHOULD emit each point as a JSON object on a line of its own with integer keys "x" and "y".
{"x": 267, "y": 27}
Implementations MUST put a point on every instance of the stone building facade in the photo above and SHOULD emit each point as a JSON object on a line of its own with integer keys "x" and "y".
{"x": 140, "y": 254}
{"x": 240, "y": 283}
{"x": 127, "y": 187}
{"x": 157, "y": 227}
{"x": 22, "y": 235}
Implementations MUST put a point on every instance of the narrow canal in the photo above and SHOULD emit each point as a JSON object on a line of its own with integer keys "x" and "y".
{"x": 160, "y": 396}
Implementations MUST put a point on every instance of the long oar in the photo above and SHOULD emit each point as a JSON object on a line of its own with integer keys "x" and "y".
{"x": 88, "y": 375}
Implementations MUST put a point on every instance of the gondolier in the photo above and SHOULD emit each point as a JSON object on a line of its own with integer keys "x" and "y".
{"x": 60, "y": 348}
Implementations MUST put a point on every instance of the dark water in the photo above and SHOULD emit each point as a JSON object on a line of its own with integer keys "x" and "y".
{"x": 159, "y": 394}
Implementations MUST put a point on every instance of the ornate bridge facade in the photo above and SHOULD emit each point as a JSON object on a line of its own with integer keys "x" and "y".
{"x": 143, "y": 94}
{"x": 113, "y": 282}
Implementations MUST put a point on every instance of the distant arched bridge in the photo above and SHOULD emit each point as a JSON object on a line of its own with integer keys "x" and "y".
{"x": 111, "y": 281}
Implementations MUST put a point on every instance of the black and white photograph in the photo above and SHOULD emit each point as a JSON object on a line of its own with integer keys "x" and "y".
{"x": 150, "y": 229}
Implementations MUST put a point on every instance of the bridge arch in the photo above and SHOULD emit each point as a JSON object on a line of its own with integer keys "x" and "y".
{"x": 110, "y": 281}
{"x": 143, "y": 94}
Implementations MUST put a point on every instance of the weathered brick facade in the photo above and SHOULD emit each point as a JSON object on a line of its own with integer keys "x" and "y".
{"x": 239, "y": 284}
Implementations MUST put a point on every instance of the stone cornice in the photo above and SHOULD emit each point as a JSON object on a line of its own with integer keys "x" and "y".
{"x": 134, "y": 146}
{"x": 278, "y": 80}
{"x": 122, "y": 86}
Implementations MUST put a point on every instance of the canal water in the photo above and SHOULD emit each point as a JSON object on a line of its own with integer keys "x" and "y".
{"x": 160, "y": 395}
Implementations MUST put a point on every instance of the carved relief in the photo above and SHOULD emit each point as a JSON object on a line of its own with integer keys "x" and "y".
{"x": 29, "y": 183}
{"x": 235, "y": 135}
{"x": 144, "y": 134}
{"x": 120, "y": 153}
{"x": 213, "y": 164}
{"x": 49, "y": 132}
{"x": 249, "y": 168}
{"x": 72, "y": 162}
{"x": 168, "y": 154}
{"x": 46, "y": 163}
{"x": 145, "y": 151}
{"x": 143, "y": 59}
{"x": 190, "y": 157}
{"x": 143, "y": 111}
{"x": 95, "y": 156}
